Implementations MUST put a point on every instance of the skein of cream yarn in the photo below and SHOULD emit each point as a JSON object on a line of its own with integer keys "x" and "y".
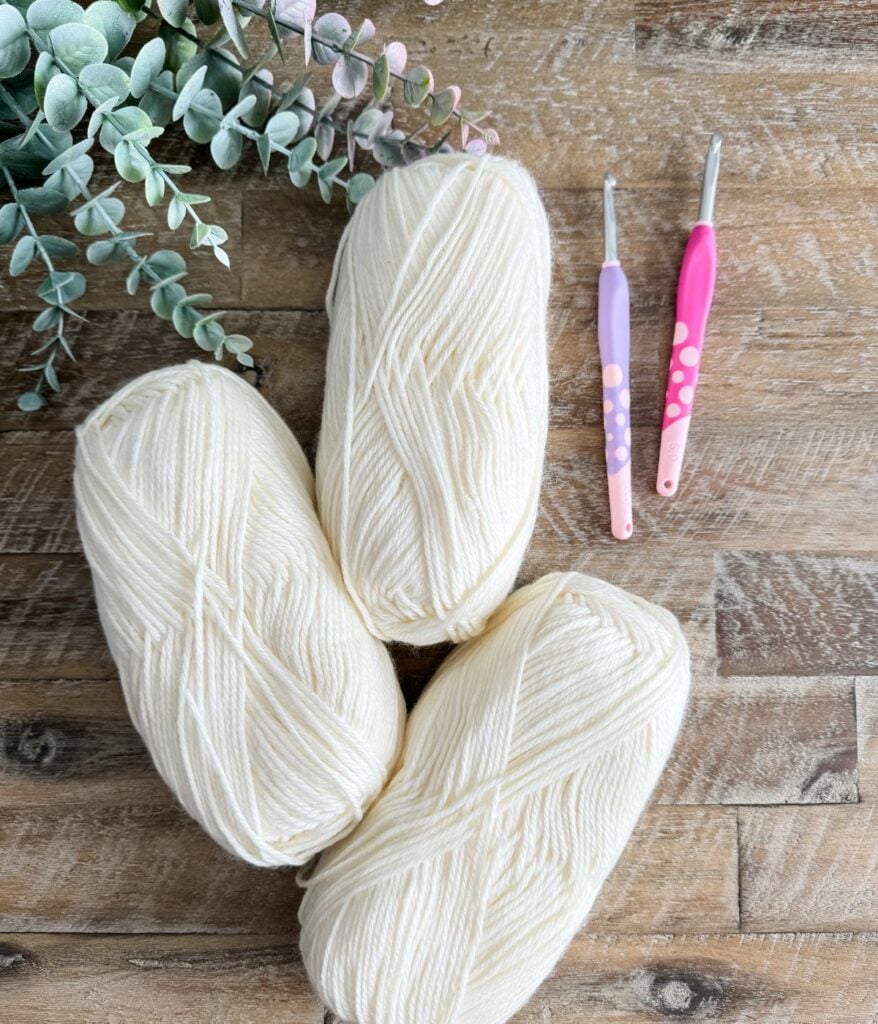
{"x": 436, "y": 407}
{"x": 526, "y": 764}
{"x": 268, "y": 708}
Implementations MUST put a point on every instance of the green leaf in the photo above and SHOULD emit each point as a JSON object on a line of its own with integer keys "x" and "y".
{"x": 106, "y": 251}
{"x": 22, "y": 255}
{"x": 225, "y": 148}
{"x": 300, "y": 163}
{"x": 202, "y": 120}
{"x": 62, "y": 287}
{"x": 154, "y": 188}
{"x": 174, "y": 11}
{"x": 418, "y": 83}
{"x": 64, "y": 104}
{"x": 255, "y": 117}
{"x": 166, "y": 263}
{"x": 156, "y": 105}
{"x": 30, "y": 401}
{"x": 44, "y": 15}
{"x": 49, "y": 320}
{"x": 263, "y": 148}
{"x": 208, "y": 11}
{"x": 11, "y": 223}
{"x": 208, "y": 335}
{"x": 114, "y": 24}
{"x": 326, "y": 173}
{"x": 444, "y": 104}
{"x": 233, "y": 26}
{"x": 69, "y": 156}
{"x": 44, "y": 71}
{"x": 43, "y": 200}
{"x": 76, "y": 45}
{"x": 176, "y": 213}
{"x": 207, "y": 234}
{"x": 130, "y": 162}
{"x": 360, "y": 186}
{"x": 104, "y": 81}
{"x": 164, "y": 301}
{"x": 51, "y": 375}
{"x": 381, "y": 78}
{"x": 88, "y": 220}
{"x": 334, "y": 29}
{"x": 188, "y": 93}
{"x": 124, "y": 121}
{"x": 59, "y": 248}
{"x": 147, "y": 67}
{"x": 325, "y": 137}
{"x": 238, "y": 343}
{"x": 14, "y": 42}
{"x": 282, "y": 128}
{"x": 180, "y": 49}
{"x": 28, "y": 161}
{"x": 185, "y": 318}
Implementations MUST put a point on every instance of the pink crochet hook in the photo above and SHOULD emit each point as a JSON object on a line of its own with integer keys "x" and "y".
{"x": 614, "y": 340}
{"x": 694, "y": 295}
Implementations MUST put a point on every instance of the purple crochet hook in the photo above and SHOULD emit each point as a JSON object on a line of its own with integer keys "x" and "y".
{"x": 614, "y": 339}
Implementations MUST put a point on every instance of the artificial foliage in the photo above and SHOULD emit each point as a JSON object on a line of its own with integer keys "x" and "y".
{"x": 75, "y": 89}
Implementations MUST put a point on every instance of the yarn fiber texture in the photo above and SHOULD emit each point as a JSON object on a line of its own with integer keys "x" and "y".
{"x": 436, "y": 406}
{"x": 267, "y": 707}
{"x": 527, "y": 762}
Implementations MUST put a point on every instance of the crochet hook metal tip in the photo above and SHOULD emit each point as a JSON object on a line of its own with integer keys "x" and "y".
{"x": 610, "y": 255}
{"x": 708, "y": 182}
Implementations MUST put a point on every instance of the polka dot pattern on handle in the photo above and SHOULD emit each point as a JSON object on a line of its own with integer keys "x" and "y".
{"x": 682, "y": 376}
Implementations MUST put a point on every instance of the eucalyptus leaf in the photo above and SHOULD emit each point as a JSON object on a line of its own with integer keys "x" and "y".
{"x": 69, "y": 156}
{"x": 174, "y": 11}
{"x": 11, "y": 223}
{"x": 359, "y": 187}
{"x": 91, "y": 220}
{"x": 233, "y": 26}
{"x": 30, "y": 401}
{"x": 157, "y": 105}
{"x": 326, "y": 173}
{"x": 418, "y": 83}
{"x": 381, "y": 78}
{"x": 176, "y": 213}
{"x": 122, "y": 122}
{"x": 29, "y": 160}
{"x": 225, "y": 148}
{"x": 62, "y": 287}
{"x": 72, "y": 177}
{"x": 325, "y": 136}
{"x": 44, "y": 15}
{"x": 238, "y": 343}
{"x": 164, "y": 301}
{"x": 334, "y": 29}
{"x": 263, "y": 148}
{"x": 114, "y": 24}
{"x": 49, "y": 319}
{"x": 131, "y": 164}
{"x": 208, "y": 11}
{"x": 43, "y": 200}
{"x": 255, "y": 117}
{"x": 51, "y": 375}
{"x": 185, "y": 318}
{"x": 349, "y": 77}
{"x": 444, "y": 104}
{"x": 208, "y": 335}
{"x": 180, "y": 49}
{"x": 44, "y": 71}
{"x": 166, "y": 263}
{"x": 22, "y": 255}
{"x": 64, "y": 104}
{"x": 282, "y": 128}
{"x": 104, "y": 81}
{"x": 202, "y": 120}
{"x": 148, "y": 65}
{"x": 154, "y": 188}
{"x": 188, "y": 93}
{"x": 300, "y": 163}
{"x": 76, "y": 45}
{"x": 59, "y": 248}
{"x": 14, "y": 42}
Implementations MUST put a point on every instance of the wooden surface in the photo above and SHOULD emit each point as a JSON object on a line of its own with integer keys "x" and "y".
{"x": 748, "y": 892}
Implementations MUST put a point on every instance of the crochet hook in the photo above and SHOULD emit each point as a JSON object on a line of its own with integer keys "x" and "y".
{"x": 694, "y": 295}
{"x": 614, "y": 341}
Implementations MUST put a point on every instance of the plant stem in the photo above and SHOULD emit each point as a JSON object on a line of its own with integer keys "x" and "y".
{"x": 59, "y": 341}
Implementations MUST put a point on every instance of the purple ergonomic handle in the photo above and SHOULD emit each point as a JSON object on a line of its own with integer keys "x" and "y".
{"x": 614, "y": 339}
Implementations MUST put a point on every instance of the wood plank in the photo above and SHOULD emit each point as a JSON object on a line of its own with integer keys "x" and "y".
{"x": 106, "y": 284}
{"x": 797, "y": 614}
{"x": 48, "y": 622}
{"x": 56, "y": 979}
{"x": 867, "y": 724}
{"x": 765, "y": 741}
{"x": 289, "y": 349}
{"x": 824, "y": 256}
{"x": 139, "y": 868}
{"x": 809, "y": 868}
{"x": 678, "y": 874}
{"x": 775, "y": 37}
{"x": 731, "y": 979}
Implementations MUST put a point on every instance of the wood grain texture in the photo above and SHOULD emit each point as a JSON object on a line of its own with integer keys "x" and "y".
{"x": 734, "y": 979}
{"x": 796, "y": 614}
{"x": 766, "y": 741}
{"x": 809, "y": 868}
{"x": 62, "y": 979}
{"x": 867, "y": 724}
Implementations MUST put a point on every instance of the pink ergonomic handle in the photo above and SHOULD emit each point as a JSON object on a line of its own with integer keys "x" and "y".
{"x": 614, "y": 339}
{"x": 694, "y": 294}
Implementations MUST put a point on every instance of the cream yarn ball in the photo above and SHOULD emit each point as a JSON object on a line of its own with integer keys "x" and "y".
{"x": 268, "y": 708}
{"x": 527, "y": 762}
{"x": 436, "y": 406}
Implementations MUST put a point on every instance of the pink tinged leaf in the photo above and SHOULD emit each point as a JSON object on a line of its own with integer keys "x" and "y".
{"x": 397, "y": 57}
{"x": 367, "y": 31}
{"x": 491, "y": 137}
{"x": 307, "y": 41}
{"x": 455, "y": 90}
{"x": 349, "y": 77}
{"x": 334, "y": 29}
{"x": 293, "y": 12}
{"x": 432, "y": 3}
{"x": 477, "y": 147}
{"x": 464, "y": 133}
